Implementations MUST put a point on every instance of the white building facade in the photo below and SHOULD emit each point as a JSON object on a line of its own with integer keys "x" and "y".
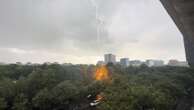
{"x": 154, "y": 63}
{"x": 136, "y": 63}
{"x": 109, "y": 58}
{"x": 124, "y": 62}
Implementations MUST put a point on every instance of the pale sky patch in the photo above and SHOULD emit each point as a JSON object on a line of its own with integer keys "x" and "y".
{"x": 65, "y": 31}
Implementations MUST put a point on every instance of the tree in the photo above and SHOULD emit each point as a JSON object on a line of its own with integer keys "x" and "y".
{"x": 3, "y": 104}
{"x": 43, "y": 100}
{"x": 20, "y": 103}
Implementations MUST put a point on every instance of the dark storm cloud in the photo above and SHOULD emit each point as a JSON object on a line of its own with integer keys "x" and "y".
{"x": 69, "y": 27}
{"x": 49, "y": 23}
{"x": 40, "y": 24}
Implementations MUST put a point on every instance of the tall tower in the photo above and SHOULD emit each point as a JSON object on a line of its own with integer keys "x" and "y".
{"x": 109, "y": 58}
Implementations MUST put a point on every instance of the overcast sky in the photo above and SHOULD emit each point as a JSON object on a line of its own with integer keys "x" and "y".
{"x": 81, "y": 31}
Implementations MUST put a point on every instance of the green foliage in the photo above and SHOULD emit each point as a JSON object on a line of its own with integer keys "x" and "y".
{"x": 147, "y": 89}
{"x": 20, "y": 102}
{"x": 58, "y": 87}
{"x": 42, "y": 100}
{"x": 3, "y": 104}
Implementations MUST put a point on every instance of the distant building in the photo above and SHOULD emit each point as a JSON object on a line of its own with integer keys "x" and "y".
{"x": 29, "y": 63}
{"x": 18, "y": 63}
{"x": 183, "y": 64}
{"x": 136, "y": 63}
{"x": 173, "y": 62}
{"x": 109, "y": 58}
{"x": 178, "y": 63}
{"x": 124, "y": 62}
{"x": 154, "y": 63}
{"x": 100, "y": 63}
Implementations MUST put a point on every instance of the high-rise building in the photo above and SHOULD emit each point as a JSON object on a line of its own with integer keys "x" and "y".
{"x": 155, "y": 63}
{"x": 124, "y": 62}
{"x": 109, "y": 58}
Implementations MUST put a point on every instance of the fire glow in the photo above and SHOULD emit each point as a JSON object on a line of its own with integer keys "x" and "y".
{"x": 99, "y": 97}
{"x": 101, "y": 73}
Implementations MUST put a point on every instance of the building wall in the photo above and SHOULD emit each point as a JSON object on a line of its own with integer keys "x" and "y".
{"x": 124, "y": 62}
{"x": 182, "y": 12}
{"x": 155, "y": 63}
{"x": 136, "y": 63}
{"x": 110, "y": 58}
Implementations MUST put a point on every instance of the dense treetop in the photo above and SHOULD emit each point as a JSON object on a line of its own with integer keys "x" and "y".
{"x": 66, "y": 87}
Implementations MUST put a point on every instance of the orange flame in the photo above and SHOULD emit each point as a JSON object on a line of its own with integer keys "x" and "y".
{"x": 101, "y": 73}
{"x": 99, "y": 97}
